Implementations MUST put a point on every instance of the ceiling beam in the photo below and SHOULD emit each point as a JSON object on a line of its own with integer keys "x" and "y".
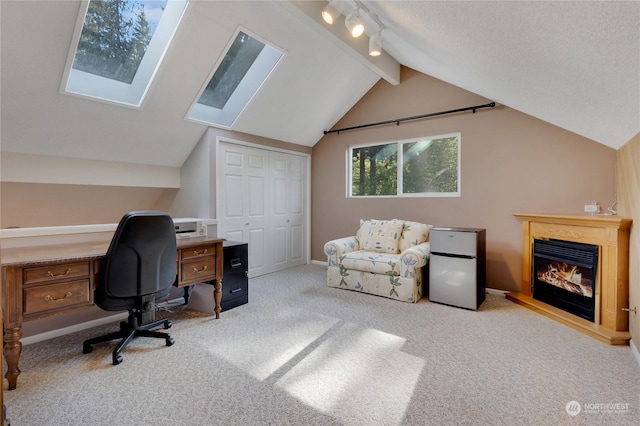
{"x": 310, "y": 11}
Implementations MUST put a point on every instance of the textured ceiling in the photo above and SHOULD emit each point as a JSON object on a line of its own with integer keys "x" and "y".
{"x": 572, "y": 64}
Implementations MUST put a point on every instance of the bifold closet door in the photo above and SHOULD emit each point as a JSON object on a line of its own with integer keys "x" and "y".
{"x": 262, "y": 201}
{"x": 288, "y": 180}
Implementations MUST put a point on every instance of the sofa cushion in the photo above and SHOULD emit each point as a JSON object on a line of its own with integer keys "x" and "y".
{"x": 381, "y": 236}
{"x": 363, "y": 232}
{"x": 367, "y": 261}
{"x": 413, "y": 233}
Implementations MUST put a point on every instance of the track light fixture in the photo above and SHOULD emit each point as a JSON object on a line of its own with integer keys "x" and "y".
{"x": 375, "y": 44}
{"x": 354, "y": 24}
{"x": 330, "y": 13}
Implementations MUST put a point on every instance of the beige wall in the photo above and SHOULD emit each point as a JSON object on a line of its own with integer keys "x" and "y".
{"x": 39, "y": 204}
{"x": 41, "y": 190}
{"x": 511, "y": 163}
{"x": 629, "y": 205}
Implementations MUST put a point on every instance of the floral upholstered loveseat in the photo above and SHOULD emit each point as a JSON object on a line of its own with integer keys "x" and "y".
{"x": 386, "y": 257}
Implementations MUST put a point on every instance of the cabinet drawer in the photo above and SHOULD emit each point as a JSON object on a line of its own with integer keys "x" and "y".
{"x": 196, "y": 252}
{"x": 52, "y": 273}
{"x": 198, "y": 271}
{"x": 234, "y": 294}
{"x": 55, "y": 297}
{"x": 234, "y": 291}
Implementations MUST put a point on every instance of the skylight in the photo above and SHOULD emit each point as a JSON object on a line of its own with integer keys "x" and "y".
{"x": 244, "y": 68}
{"x": 119, "y": 47}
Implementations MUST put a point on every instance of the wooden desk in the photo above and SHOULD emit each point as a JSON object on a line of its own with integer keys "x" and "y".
{"x": 40, "y": 281}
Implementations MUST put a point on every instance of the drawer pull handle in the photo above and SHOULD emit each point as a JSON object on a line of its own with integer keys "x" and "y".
{"x": 195, "y": 252}
{"x": 48, "y": 298}
{"x": 235, "y": 290}
{"x": 204, "y": 268}
{"x": 52, "y": 275}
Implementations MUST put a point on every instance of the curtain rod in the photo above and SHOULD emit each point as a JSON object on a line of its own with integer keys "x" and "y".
{"x": 415, "y": 117}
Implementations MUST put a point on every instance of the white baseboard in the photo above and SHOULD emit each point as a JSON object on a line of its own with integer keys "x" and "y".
{"x": 88, "y": 324}
{"x": 497, "y": 292}
{"x": 72, "y": 329}
{"x": 634, "y": 351}
{"x": 319, "y": 262}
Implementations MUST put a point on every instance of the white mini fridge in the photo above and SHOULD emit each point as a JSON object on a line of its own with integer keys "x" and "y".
{"x": 457, "y": 267}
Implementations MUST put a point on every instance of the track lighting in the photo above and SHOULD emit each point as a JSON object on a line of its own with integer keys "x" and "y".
{"x": 330, "y": 13}
{"x": 375, "y": 44}
{"x": 354, "y": 24}
{"x": 356, "y": 16}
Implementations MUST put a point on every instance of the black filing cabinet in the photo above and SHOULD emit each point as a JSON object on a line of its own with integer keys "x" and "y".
{"x": 235, "y": 283}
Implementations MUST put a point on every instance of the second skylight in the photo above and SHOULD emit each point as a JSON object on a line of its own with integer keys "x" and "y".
{"x": 244, "y": 68}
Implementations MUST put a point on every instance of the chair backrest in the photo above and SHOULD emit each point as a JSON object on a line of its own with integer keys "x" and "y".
{"x": 141, "y": 259}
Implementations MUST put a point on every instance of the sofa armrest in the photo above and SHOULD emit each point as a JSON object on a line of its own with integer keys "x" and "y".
{"x": 413, "y": 258}
{"x": 335, "y": 248}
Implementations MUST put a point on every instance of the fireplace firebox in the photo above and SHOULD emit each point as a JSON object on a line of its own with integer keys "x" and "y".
{"x": 564, "y": 275}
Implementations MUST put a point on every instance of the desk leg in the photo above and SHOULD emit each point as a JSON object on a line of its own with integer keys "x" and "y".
{"x": 12, "y": 351}
{"x": 217, "y": 295}
{"x": 186, "y": 294}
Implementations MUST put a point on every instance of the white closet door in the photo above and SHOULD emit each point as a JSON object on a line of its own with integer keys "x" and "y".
{"x": 288, "y": 179}
{"x": 243, "y": 201}
{"x": 262, "y": 201}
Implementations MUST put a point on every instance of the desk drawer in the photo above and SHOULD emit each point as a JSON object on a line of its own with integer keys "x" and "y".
{"x": 55, "y": 297}
{"x": 196, "y": 252}
{"x": 199, "y": 271}
{"x": 43, "y": 274}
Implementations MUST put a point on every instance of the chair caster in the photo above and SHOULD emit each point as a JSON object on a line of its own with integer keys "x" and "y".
{"x": 170, "y": 341}
{"x": 117, "y": 359}
{"x": 87, "y": 349}
{"x": 167, "y": 325}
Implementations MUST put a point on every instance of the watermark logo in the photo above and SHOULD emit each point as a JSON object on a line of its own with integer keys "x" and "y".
{"x": 573, "y": 408}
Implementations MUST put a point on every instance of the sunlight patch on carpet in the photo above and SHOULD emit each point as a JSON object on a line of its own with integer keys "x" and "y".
{"x": 352, "y": 373}
{"x": 356, "y": 375}
{"x": 270, "y": 340}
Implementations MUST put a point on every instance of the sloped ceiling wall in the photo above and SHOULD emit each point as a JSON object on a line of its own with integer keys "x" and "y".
{"x": 573, "y": 64}
{"x": 304, "y": 95}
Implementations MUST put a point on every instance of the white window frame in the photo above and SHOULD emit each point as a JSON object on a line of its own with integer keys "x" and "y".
{"x": 264, "y": 65}
{"x": 80, "y": 83}
{"x": 399, "y": 161}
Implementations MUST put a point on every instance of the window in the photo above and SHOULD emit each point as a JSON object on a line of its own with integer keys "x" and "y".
{"x": 119, "y": 46}
{"x": 426, "y": 167}
{"x": 241, "y": 72}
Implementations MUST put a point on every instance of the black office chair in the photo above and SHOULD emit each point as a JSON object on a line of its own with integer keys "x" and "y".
{"x": 139, "y": 269}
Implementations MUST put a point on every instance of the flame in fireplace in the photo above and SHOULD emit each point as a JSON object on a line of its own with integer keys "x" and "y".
{"x": 567, "y": 277}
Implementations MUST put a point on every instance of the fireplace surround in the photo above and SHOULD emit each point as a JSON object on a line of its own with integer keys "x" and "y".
{"x": 610, "y": 280}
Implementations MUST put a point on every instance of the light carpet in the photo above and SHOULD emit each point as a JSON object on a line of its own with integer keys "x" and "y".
{"x": 300, "y": 353}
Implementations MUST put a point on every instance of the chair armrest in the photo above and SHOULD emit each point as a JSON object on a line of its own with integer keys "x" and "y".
{"x": 335, "y": 248}
{"x": 413, "y": 258}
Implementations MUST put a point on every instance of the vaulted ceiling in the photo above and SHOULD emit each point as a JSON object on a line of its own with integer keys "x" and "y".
{"x": 573, "y": 64}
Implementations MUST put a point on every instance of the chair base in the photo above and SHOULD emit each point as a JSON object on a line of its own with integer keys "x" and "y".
{"x": 129, "y": 331}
